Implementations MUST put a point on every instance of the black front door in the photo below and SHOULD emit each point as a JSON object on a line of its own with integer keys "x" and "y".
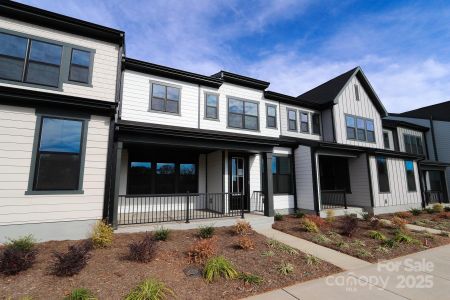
{"x": 239, "y": 186}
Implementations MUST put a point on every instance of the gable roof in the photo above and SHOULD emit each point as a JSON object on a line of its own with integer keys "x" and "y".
{"x": 326, "y": 93}
{"x": 439, "y": 112}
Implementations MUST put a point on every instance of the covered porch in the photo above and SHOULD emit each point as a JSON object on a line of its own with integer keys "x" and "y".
{"x": 433, "y": 176}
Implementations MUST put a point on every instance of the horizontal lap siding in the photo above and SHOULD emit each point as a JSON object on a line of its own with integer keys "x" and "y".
{"x": 15, "y": 159}
{"x": 399, "y": 194}
{"x": 298, "y": 134}
{"x": 283, "y": 201}
{"x": 347, "y": 104}
{"x": 104, "y": 68}
{"x": 304, "y": 178}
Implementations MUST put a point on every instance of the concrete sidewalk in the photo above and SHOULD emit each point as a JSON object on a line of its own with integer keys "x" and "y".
{"x": 422, "y": 275}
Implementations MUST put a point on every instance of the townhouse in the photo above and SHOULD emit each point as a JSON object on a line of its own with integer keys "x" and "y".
{"x": 87, "y": 133}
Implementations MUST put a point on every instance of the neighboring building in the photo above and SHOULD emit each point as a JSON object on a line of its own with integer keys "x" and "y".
{"x": 58, "y": 94}
{"x": 435, "y": 174}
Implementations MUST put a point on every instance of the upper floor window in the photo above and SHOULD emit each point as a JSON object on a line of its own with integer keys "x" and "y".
{"x": 356, "y": 92}
{"x": 383, "y": 176}
{"x": 304, "y": 122}
{"x": 271, "y": 116}
{"x": 292, "y": 119}
{"x": 360, "y": 129}
{"x": 211, "y": 106}
{"x": 413, "y": 144}
{"x": 282, "y": 174}
{"x": 410, "y": 177}
{"x": 165, "y": 98}
{"x": 80, "y": 62}
{"x": 315, "y": 120}
{"x": 386, "y": 140}
{"x": 243, "y": 114}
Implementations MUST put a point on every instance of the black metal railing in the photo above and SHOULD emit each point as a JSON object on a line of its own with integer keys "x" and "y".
{"x": 434, "y": 197}
{"x": 333, "y": 199}
{"x": 257, "y": 201}
{"x": 139, "y": 209}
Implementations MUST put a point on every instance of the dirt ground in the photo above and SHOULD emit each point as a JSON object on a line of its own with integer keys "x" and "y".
{"x": 360, "y": 244}
{"x": 110, "y": 276}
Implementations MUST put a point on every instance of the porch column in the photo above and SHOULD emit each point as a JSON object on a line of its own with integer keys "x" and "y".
{"x": 118, "y": 146}
{"x": 268, "y": 184}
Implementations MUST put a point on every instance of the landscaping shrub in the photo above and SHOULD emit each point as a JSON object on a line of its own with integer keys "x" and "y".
{"x": 374, "y": 223}
{"x": 278, "y": 217}
{"x": 390, "y": 243}
{"x": 25, "y": 243}
{"x": 142, "y": 251}
{"x": 150, "y": 289}
{"x": 201, "y": 250}
{"x": 219, "y": 266}
{"x": 250, "y": 278}
{"x": 246, "y": 243}
{"x": 415, "y": 211}
{"x": 267, "y": 253}
{"x": 365, "y": 216}
{"x": 316, "y": 219}
{"x": 429, "y": 210}
{"x": 161, "y": 234}
{"x": 402, "y": 237}
{"x": 102, "y": 235}
{"x": 438, "y": 207}
{"x": 363, "y": 253}
{"x": 399, "y": 223}
{"x": 285, "y": 268}
{"x": 298, "y": 214}
{"x": 331, "y": 216}
{"x": 309, "y": 225}
{"x": 321, "y": 239}
{"x": 376, "y": 235}
{"x": 312, "y": 260}
{"x": 349, "y": 225}
{"x": 342, "y": 245}
{"x": 206, "y": 232}
{"x": 80, "y": 294}
{"x": 242, "y": 228}
{"x": 71, "y": 262}
{"x": 18, "y": 255}
{"x": 281, "y": 247}
{"x": 403, "y": 214}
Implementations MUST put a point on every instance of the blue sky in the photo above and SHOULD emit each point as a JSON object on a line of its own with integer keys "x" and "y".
{"x": 402, "y": 46}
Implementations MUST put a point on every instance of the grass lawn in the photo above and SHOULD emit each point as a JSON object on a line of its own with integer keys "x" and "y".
{"x": 370, "y": 241}
{"x": 109, "y": 273}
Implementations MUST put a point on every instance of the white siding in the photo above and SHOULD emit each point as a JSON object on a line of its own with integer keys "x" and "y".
{"x": 399, "y": 194}
{"x": 104, "y": 68}
{"x": 255, "y": 173}
{"x": 15, "y": 159}
{"x": 401, "y": 141}
{"x": 304, "y": 178}
{"x": 347, "y": 104}
{"x": 359, "y": 182}
{"x": 284, "y": 123}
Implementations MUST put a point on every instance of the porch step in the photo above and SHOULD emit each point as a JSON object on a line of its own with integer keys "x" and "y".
{"x": 255, "y": 220}
{"x": 342, "y": 211}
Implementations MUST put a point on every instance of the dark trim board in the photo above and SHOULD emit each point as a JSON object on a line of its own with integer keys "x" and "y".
{"x": 314, "y": 179}
{"x": 388, "y": 123}
{"x": 270, "y": 95}
{"x": 241, "y": 80}
{"x": 369, "y": 174}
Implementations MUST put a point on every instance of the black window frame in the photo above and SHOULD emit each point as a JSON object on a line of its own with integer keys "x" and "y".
{"x": 275, "y": 118}
{"x": 84, "y": 119}
{"x": 90, "y": 67}
{"x": 304, "y": 113}
{"x": 382, "y": 174}
{"x": 206, "y": 94}
{"x": 358, "y": 129}
{"x": 386, "y": 141}
{"x": 276, "y": 177}
{"x": 289, "y": 120}
{"x": 316, "y": 128}
{"x": 413, "y": 144}
{"x": 410, "y": 181}
{"x": 243, "y": 115}
{"x": 165, "y": 99}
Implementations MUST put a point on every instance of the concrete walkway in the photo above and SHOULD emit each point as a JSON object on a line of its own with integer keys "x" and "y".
{"x": 422, "y": 275}
{"x": 343, "y": 261}
{"x": 419, "y": 228}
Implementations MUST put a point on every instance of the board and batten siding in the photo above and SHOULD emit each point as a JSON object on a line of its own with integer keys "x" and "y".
{"x": 298, "y": 134}
{"x": 104, "y": 68}
{"x": 17, "y": 129}
{"x": 346, "y": 104}
{"x": 304, "y": 178}
{"x": 401, "y": 141}
{"x": 390, "y": 138}
{"x": 399, "y": 194}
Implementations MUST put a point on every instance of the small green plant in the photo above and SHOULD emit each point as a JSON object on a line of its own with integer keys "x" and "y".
{"x": 219, "y": 266}
{"x": 80, "y": 294}
{"x": 438, "y": 208}
{"x": 298, "y": 214}
{"x": 358, "y": 243}
{"x": 250, "y": 278}
{"x": 363, "y": 253}
{"x": 365, "y": 216}
{"x": 282, "y": 247}
{"x": 206, "y": 232}
{"x": 376, "y": 235}
{"x": 334, "y": 235}
{"x": 429, "y": 210}
{"x": 383, "y": 249}
{"x": 342, "y": 245}
{"x": 321, "y": 239}
{"x": 312, "y": 260}
{"x": 102, "y": 235}
{"x": 161, "y": 234}
{"x": 402, "y": 237}
{"x": 25, "y": 243}
{"x": 267, "y": 253}
{"x": 150, "y": 289}
{"x": 278, "y": 217}
{"x": 415, "y": 211}
{"x": 285, "y": 268}
{"x": 18, "y": 255}
{"x": 309, "y": 225}
{"x": 389, "y": 243}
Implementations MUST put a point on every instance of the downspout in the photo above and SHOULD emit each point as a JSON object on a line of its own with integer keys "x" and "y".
{"x": 198, "y": 106}
{"x": 333, "y": 124}
{"x": 314, "y": 178}
{"x": 433, "y": 138}
{"x": 294, "y": 178}
{"x": 422, "y": 190}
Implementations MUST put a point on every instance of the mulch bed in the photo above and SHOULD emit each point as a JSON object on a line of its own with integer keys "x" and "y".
{"x": 439, "y": 221}
{"x": 360, "y": 245}
{"x": 110, "y": 276}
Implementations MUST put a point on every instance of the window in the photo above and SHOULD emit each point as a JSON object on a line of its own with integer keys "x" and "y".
{"x": 292, "y": 119}
{"x": 271, "y": 115}
{"x": 79, "y": 66}
{"x": 282, "y": 175}
{"x": 360, "y": 129}
{"x": 139, "y": 177}
{"x": 386, "y": 140}
{"x": 410, "y": 178}
{"x": 243, "y": 114}
{"x": 12, "y": 56}
{"x": 435, "y": 183}
{"x": 413, "y": 144}
{"x": 304, "y": 122}
{"x": 315, "y": 119}
{"x": 58, "y": 156}
{"x": 356, "y": 92}
{"x": 188, "y": 178}
{"x": 211, "y": 106}
{"x": 165, "y": 98}
{"x": 383, "y": 176}
{"x": 165, "y": 178}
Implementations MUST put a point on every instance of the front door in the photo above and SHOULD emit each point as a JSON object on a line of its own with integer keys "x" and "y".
{"x": 238, "y": 184}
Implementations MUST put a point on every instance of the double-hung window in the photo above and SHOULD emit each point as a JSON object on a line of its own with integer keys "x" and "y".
{"x": 282, "y": 175}
{"x": 386, "y": 140}
{"x": 80, "y": 62}
{"x": 410, "y": 177}
{"x": 315, "y": 120}
{"x": 292, "y": 119}
{"x": 383, "y": 176}
{"x": 58, "y": 158}
{"x": 271, "y": 116}
{"x": 370, "y": 130}
{"x": 165, "y": 98}
{"x": 413, "y": 144}
{"x": 304, "y": 122}
{"x": 243, "y": 114}
{"x": 360, "y": 129}
{"x": 211, "y": 106}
